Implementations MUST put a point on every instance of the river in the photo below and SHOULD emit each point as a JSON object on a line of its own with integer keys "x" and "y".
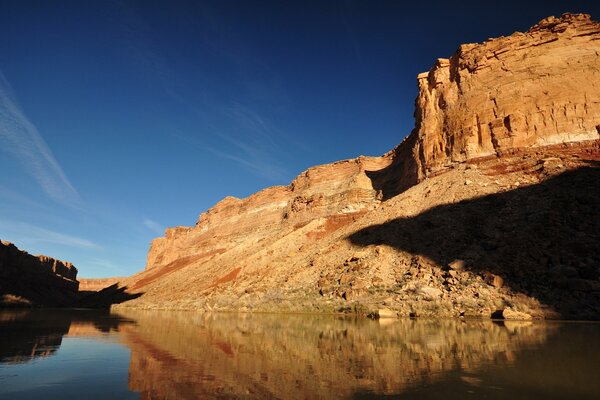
{"x": 63, "y": 354}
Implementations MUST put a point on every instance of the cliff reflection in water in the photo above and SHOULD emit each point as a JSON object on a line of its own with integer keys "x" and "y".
{"x": 179, "y": 355}
{"x": 29, "y": 334}
{"x": 187, "y": 355}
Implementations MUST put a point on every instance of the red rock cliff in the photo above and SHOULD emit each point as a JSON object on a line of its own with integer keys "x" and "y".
{"x": 509, "y": 121}
{"x": 537, "y": 88}
{"x": 528, "y": 89}
{"x": 342, "y": 188}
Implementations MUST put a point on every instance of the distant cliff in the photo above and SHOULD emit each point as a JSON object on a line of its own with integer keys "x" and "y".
{"x": 493, "y": 120}
{"x": 35, "y": 280}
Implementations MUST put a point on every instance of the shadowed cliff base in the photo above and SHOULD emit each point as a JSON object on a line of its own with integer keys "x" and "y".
{"x": 27, "y": 280}
{"x": 104, "y": 298}
{"x": 401, "y": 174}
{"x": 540, "y": 240}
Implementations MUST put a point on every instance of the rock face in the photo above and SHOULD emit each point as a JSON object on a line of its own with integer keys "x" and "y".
{"x": 509, "y": 120}
{"x": 526, "y": 90}
{"x": 35, "y": 280}
{"x": 96, "y": 284}
{"x": 341, "y": 189}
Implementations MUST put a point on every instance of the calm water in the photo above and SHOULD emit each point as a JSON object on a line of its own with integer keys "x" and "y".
{"x": 164, "y": 355}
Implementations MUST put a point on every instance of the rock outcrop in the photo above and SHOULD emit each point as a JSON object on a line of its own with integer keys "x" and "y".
{"x": 342, "y": 189}
{"x": 498, "y": 116}
{"x": 35, "y": 280}
{"x": 526, "y": 90}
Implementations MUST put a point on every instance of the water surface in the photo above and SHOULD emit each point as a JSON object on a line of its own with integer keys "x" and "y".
{"x": 187, "y": 355}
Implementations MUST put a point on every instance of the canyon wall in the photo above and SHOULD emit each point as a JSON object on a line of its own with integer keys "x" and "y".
{"x": 525, "y": 90}
{"x": 509, "y": 121}
{"x": 36, "y": 280}
{"x": 537, "y": 88}
{"x": 96, "y": 284}
{"x": 342, "y": 188}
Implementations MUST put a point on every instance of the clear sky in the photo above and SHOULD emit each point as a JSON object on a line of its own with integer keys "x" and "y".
{"x": 120, "y": 118}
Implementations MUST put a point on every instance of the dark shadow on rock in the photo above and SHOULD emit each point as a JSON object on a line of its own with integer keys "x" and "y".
{"x": 106, "y": 297}
{"x": 543, "y": 240}
{"x": 401, "y": 174}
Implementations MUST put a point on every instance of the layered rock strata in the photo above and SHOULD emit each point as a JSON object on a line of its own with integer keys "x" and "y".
{"x": 36, "y": 280}
{"x": 526, "y": 90}
{"x": 510, "y": 113}
{"x": 96, "y": 284}
{"x": 342, "y": 189}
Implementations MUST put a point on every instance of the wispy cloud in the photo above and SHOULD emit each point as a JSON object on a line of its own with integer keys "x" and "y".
{"x": 247, "y": 135}
{"x": 252, "y": 121}
{"x": 29, "y": 233}
{"x": 106, "y": 265}
{"x": 19, "y": 137}
{"x": 257, "y": 165}
{"x": 252, "y": 141}
{"x": 154, "y": 226}
{"x": 11, "y": 197}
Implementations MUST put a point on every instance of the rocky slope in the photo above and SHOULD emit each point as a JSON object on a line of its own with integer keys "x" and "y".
{"x": 35, "y": 280}
{"x": 488, "y": 207}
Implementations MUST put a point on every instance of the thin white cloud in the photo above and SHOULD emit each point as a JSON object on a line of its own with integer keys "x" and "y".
{"x": 105, "y": 264}
{"x": 258, "y": 165}
{"x": 251, "y": 120}
{"x": 252, "y": 141}
{"x": 154, "y": 226}
{"x": 29, "y": 233}
{"x": 19, "y": 137}
{"x": 9, "y": 196}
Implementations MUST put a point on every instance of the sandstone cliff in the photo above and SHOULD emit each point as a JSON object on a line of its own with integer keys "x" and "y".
{"x": 495, "y": 119}
{"x": 96, "y": 284}
{"x": 342, "y": 189}
{"x": 35, "y": 280}
{"x": 525, "y": 90}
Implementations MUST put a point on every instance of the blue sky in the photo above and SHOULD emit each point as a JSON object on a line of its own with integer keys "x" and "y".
{"x": 120, "y": 118}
